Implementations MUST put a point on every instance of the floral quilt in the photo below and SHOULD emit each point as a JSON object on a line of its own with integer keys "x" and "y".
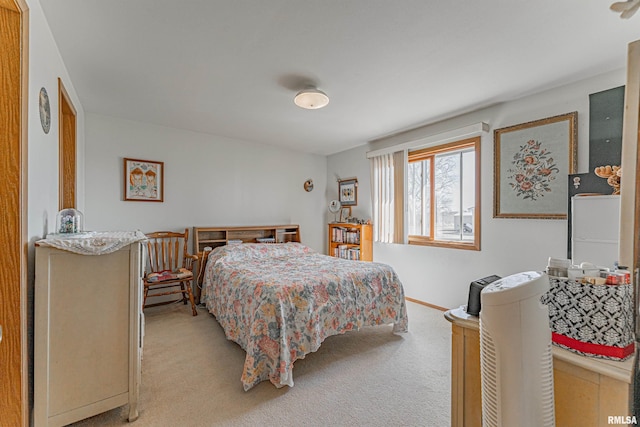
{"x": 280, "y": 301}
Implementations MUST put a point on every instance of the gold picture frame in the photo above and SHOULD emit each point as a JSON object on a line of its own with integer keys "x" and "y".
{"x": 143, "y": 180}
{"x": 532, "y": 162}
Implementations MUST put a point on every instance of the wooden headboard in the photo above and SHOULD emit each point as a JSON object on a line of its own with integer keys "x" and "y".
{"x": 218, "y": 236}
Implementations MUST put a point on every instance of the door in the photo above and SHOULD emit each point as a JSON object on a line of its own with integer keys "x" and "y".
{"x": 13, "y": 365}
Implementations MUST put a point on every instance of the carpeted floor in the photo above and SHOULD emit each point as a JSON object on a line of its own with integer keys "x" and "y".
{"x": 191, "y": 377}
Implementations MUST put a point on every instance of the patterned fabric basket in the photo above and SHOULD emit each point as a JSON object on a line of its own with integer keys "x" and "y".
{"x": 593, "y": 320}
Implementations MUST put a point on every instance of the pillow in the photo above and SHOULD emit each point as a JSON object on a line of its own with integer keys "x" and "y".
{"x": 248, "y": 251}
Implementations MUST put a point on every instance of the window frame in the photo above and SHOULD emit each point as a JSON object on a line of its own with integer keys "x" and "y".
{"x": 419, "y": 155}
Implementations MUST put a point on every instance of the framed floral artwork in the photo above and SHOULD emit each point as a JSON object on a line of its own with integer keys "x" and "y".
{"x": 348, "y": 192}
{"x": 143, "y": 180}
{"x": 532, "y": 162}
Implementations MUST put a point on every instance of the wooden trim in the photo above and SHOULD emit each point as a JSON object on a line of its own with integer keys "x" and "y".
{"x": 10, "y": 5}
{"x": 419, "y": 155}
{"x": 630, "y": 180}
{"x": 24, "y": 242}
{"x": 14, "y": 36}
{"x": 67, "y": 150}
{"x": 425, "y": 241}
{"x": 629, "y": 246}
{"x": 417, "y": 301}
{"x": 432, "y": 197}
{"x": 428, "y": 154}
{"x": 477, "y": 210}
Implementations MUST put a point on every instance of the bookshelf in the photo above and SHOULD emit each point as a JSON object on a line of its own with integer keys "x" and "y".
{"x": 351, "y": 241}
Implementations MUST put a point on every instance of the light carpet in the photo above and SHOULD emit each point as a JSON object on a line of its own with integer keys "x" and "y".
{"x": 191, "y": 377}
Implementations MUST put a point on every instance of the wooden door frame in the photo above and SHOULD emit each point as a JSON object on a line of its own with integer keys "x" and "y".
{"x": 67, "y": 182}
{"x": 629, "y": 248}
{"x": 16, "y": 214}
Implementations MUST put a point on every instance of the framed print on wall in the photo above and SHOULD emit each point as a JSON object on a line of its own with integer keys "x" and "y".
{"x": 348, "y": 192}
{"x": 143, "y": 180}
{"x": 532, "y": 162}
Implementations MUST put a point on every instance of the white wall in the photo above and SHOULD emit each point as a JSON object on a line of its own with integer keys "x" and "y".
{"x": 209, "y": 181}
{"x": 441, "y": 276}
{"x": 345, "y": 165}
{"x": 45, "y": 67}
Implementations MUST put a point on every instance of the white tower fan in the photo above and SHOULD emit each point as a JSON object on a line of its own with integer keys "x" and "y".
{"x": 515, "y": 353}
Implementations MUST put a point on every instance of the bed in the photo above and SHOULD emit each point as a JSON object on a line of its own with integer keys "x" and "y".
{"x": 280, "y": 301}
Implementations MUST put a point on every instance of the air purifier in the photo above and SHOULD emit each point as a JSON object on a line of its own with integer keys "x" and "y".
{"x": 515, "y": 353}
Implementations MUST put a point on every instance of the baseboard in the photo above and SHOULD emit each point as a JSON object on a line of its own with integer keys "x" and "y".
{"x": 417, "y": 301}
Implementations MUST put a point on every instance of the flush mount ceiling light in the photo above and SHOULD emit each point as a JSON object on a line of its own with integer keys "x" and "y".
{"x": 311, "y": 99}
{"x": 626, "y": 9}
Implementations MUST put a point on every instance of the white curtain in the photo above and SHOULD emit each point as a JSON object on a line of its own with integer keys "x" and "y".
{"x": 387, "y": 178}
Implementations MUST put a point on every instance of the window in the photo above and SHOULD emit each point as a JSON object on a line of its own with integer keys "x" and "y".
{"x": 443, "y": 195}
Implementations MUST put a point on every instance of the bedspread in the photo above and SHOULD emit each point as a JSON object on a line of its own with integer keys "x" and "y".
{"x": 280, "y": 301}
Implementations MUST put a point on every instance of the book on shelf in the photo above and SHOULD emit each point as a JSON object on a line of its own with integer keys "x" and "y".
{"x": 345, "y": 235}
{"x": 346, "y": 252}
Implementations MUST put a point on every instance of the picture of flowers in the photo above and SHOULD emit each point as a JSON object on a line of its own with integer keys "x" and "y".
{"x": 532, "y": 162}
{"x": 143, "y": 180}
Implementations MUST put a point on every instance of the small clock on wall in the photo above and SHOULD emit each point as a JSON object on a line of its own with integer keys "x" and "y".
{"x": 45, "y": 110}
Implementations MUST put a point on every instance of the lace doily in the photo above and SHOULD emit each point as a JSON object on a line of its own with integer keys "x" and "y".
{"x": 93, "y": 242}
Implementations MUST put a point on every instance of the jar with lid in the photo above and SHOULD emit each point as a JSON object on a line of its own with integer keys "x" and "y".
{"x": 69, "y": 221}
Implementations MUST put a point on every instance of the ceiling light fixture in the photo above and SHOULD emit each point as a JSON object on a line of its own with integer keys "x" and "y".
{"x": 626, "y": 9}
{"x": 311, "y": 99}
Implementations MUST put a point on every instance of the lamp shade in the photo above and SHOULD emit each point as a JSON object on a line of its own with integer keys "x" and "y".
{"x": 311, "y": 99}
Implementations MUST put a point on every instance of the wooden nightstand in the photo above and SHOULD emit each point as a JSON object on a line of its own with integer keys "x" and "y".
{"x": 587, "y": 390}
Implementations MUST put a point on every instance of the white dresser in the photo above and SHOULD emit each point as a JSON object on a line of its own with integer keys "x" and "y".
{"x": 88, "y": 335}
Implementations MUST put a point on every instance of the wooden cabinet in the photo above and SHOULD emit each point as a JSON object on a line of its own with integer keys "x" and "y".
{"x": 466, "y": 397}
{"x": 589, "y": 390}
{"x": 87, "y": 334}
{"x": 351, "y": 241}
{"x": 218, "y": 236}
{"x": 586, "y": 390}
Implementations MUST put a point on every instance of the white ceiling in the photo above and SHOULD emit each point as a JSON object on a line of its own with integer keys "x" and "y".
{"x": 232, "y": 68}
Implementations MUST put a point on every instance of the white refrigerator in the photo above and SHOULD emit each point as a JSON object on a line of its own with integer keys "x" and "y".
{"x": 595, "y": 229}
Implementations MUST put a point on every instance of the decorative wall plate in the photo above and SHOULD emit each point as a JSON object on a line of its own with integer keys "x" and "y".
{"x": 308, "y": 185}
{"x": 45, "y": 110}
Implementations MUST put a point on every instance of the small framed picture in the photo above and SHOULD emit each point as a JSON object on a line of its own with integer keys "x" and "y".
{"x": 143, "y": 180}
{"x": 348, "y": 192}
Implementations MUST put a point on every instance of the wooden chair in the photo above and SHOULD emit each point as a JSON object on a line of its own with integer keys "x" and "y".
{"x": 169, "y": 268}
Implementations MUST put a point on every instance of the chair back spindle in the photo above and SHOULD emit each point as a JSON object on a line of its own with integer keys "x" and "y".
{"x": 167, "y": 252}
